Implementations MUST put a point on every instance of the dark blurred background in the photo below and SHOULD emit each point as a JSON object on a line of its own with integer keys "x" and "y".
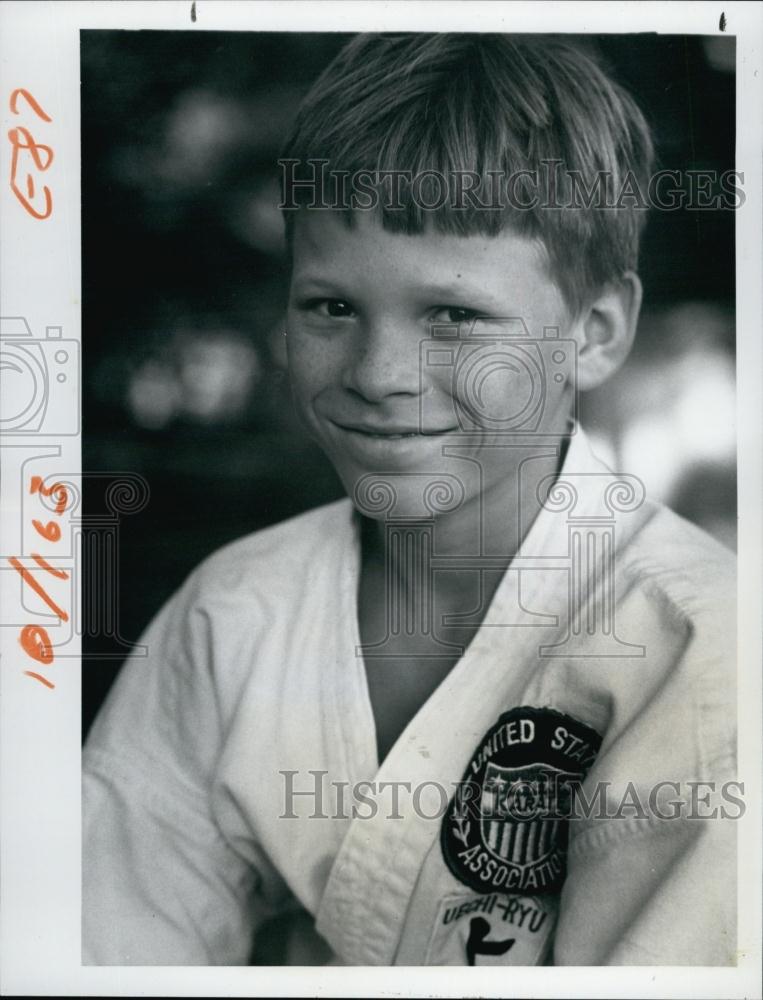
{"x": 184, "y": 282}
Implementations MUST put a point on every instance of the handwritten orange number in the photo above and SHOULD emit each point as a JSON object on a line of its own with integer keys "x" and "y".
{"x": 20, "y": 92}
{"x": 35, "y": 642}
{"x": 42, "y": 156}
{"x": 50, "y": 531}
{"x": 63, "y": 497}
{"x": 34, "y": 639}
{"x": 27, "y": 577}
{"x": 61, "y": 574}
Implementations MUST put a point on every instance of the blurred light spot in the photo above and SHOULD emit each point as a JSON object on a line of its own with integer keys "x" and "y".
{"x": 257, "y": 220}
{"x": 692, "y": 423}
{"x": 205, "y": 377}
{"x": 706, "y": 408}
{"x": 217, "y": 375}
{"x": 720, "y": 53}
{"x": 153, "y": 395}
{"x": 649, "y": 453}
{"x": 200, "y": 133}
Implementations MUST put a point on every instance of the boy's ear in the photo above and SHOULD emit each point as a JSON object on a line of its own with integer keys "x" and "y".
{"x": 604, "y": 331}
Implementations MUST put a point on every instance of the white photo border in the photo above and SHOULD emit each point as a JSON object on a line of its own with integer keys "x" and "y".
{"x": 40, "y": 280}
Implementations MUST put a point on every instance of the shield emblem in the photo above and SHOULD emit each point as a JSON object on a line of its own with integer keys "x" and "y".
{"x": 507, "y": 824}
{"x": 521, "y": 811}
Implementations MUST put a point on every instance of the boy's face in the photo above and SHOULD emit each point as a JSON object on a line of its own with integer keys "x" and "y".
{"x": 363, "y": 359}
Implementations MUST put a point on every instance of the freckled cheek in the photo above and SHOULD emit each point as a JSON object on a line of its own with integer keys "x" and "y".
{"x": 495, "y": 392}
{"x": 311, "y": 373}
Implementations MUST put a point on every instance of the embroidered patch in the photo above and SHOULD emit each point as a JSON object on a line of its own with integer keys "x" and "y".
{"x": 494, "y": 929}
{"x": 505, "y": 828}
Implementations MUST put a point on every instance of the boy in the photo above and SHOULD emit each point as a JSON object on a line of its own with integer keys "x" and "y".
{"x": 479, "y": 712}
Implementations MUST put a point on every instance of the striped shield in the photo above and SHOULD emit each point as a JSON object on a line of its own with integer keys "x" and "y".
{"x": 521, "y": 811}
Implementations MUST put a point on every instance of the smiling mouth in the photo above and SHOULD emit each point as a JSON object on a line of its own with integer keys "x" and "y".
{"x": 393, "y": 435}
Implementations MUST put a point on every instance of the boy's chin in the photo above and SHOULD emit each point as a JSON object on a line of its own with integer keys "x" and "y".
{"x": 407, "y": 497}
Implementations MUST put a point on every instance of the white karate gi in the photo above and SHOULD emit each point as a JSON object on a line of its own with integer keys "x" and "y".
{"x": 252, "y": 672}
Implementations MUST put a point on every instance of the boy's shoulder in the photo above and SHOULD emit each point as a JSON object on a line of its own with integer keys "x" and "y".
{"x": 678, "y": 563}
{"x": 287, "y": 551}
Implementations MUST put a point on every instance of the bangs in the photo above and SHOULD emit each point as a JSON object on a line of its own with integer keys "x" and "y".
{"x": 472, "y": 134}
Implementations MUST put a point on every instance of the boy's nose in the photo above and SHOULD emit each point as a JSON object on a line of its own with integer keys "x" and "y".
{"x": 384, "y": 362}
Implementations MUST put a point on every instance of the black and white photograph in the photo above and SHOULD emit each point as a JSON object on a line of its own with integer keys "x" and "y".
{"x": 388, "y": 482}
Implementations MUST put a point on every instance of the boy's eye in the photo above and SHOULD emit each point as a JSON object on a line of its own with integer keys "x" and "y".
{"x": 336, "y": 308}
{"x": 454, "y": 314}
